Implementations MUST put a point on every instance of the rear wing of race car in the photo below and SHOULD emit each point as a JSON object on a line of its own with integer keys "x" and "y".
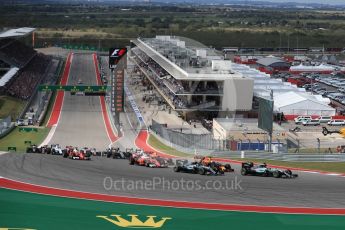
{"x": 181, "y": 162}
{"x": 247, "y": 164}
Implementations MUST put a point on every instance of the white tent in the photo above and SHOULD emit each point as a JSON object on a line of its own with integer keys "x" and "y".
{"x": 292, "y": 103}
{"x": 318, "y": 68}
{"x": 288, "y": 98}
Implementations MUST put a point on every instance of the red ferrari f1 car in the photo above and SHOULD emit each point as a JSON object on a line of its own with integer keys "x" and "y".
{"x": 75, "y": 154}
{"x": 148, "y": 160}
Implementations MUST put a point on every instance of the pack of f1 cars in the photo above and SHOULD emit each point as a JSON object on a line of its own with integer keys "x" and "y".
{"x": 75, "y": 154}
{"x": 249, "y": 168}
{"x": 149, "y": 160}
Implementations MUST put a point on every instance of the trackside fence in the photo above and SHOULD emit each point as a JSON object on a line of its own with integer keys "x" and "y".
{"x": 207, "y": 142}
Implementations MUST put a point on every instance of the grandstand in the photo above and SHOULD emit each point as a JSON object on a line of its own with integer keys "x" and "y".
{"x": 21, "y": 67}
{"x": 190, "y": 77}
{"x": 28, "y": 77}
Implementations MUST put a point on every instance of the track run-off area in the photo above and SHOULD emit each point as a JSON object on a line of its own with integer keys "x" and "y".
{"x": 51, "y": 192}
{"x": 32, "y": 210}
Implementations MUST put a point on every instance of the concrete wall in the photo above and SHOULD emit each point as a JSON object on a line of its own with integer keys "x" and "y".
{"x": 218, "y": 131}
{"x": 238, "y": 94}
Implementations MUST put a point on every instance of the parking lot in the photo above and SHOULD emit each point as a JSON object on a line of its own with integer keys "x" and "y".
{"x": 329, "y": 86}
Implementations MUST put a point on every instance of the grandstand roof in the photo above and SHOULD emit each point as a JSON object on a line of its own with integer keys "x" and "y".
{"x": 17, "y": 32}
{"x": 185, "y": 58}
{"x": 4, "y": 79}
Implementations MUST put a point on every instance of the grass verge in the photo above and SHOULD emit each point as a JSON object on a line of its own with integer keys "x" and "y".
{"x": 337, "y": 167}
{"x": 10, "y": 106}
{"x": 157, "y": 144}
{"x": 17, "y": 139}
{"x": 312, "y": 150}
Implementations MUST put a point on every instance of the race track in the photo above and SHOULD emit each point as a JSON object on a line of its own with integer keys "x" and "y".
{"x": 81, "y": 123}
{"x": 309, "y": 190}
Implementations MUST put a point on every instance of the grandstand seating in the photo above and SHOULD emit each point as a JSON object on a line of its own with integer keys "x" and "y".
{"x": 172, "y": 88}
{"x": 24, "y": 83}
{"x": 15, "y": 53}
{"x": 32, "y": 66}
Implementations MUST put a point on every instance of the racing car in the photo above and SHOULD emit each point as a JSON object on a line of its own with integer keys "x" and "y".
{"x": 75, "y": 154}
{"x": 91, "y": 151}
{"x": 148, "y": 160}
{"x": 116, "y": 153}
{"x": 216, "y": 166}
{"x": 197, "y": 167}
{"x": 35, "y": 149}
{"x": 249, "y": 168}
{"x": 56, "y": 149}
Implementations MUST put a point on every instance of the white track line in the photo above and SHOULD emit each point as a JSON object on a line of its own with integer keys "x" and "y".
{"x": 49, "y": 136}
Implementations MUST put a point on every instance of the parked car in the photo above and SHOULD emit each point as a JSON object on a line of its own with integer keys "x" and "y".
{"x": 327, "y": 93}
{"x": 339, "y": 98}
{"x": 314, "y": 122}
{"x": 320, "y": 92}
{"x": 336, "y": 122}
{"x": 324, "y": 119}
{"x": 300, "y": 119}
{"x": 341, "y": 84}
{"x": 20, "y": 122}
{"x": 334, "y": 95}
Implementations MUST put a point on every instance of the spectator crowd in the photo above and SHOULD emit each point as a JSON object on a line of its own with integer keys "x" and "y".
{"x": 173, "y": 88}
{"x": 158, "y": 75}
{"x": 24, "y": 84}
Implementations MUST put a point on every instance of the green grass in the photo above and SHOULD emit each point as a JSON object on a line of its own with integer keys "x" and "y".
{"x": 337, "y": 167}
{"x": 16, "y": 139}
{"x": 155, "y": 143}
{"x": 312, "y": 150}
{"x": 10, "y": 106}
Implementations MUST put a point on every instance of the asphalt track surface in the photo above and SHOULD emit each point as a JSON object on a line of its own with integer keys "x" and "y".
{"x": 308, "y": 190}
{"x": 81, "y": 123}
